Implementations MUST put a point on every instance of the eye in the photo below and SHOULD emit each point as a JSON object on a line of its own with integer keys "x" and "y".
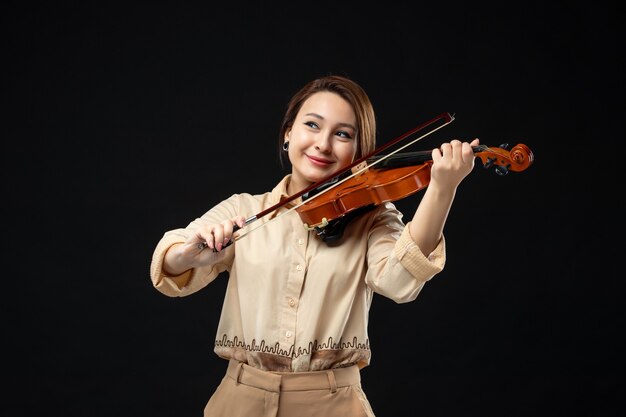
{"x": 343, "y": 134}
{"x": 311, "y": 125}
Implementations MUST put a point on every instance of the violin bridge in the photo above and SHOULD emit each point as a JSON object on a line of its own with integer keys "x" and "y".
{"x": 324, "y": 223}
{"x": 360, "y": 168}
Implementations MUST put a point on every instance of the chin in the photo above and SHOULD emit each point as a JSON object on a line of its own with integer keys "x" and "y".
{"x": 317, "y": 177}
{"x": 316, "y": 174}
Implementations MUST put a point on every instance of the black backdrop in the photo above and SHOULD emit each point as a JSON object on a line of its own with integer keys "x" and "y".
{"x": 123, "y": 122}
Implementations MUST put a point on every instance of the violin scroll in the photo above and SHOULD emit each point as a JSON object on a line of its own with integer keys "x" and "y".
{"x": 519, "y": 158}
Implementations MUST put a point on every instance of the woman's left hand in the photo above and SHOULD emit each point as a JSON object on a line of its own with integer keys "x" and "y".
{"x": 452, "y": 162}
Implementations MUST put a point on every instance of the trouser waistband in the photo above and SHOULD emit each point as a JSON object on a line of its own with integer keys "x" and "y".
{"x": 330, "y": 379}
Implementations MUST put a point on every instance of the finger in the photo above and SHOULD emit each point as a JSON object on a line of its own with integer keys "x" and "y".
{"x": 467, "y": 153}
{"x": 436, "y": 155}
{"x": 455, "y": 152}
{"x": 215, "y": 236}
{"x": 211, "y": 240}
{"x": 446, "y": 149}
{"x": 228, "y": 232}
{"x": 240, "y": 221}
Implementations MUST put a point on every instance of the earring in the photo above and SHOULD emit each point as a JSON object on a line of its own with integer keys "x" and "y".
{"x": 286, "y": 146}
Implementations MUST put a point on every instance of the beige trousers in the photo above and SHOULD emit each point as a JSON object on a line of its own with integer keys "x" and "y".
{"x": 249, "y": 392}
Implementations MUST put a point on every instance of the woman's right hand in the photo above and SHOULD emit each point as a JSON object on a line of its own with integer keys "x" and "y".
{"x": 203, "y": 247}
{"x": 216, "y": 236}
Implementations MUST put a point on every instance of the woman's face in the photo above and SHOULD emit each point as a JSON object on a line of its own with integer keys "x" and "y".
{"x": 322, "y": 139}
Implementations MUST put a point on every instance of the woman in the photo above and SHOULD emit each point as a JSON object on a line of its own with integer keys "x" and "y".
{"x": 294, "y": 321}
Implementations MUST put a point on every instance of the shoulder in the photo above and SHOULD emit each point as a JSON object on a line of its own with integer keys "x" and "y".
{"x": 387, "y": 212}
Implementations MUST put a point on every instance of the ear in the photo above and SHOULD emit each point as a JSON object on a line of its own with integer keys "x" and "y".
{"x": 287, "y": 135}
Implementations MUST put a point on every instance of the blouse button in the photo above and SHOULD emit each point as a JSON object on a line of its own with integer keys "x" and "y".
{"x": 288, "y": 333}
{"x": 300, "y": 241}
{"x": 292, "y": 302}
{"x": 299, "y": 267}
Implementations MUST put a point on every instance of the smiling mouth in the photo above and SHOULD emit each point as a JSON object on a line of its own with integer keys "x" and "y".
{"x": 318, "y": 161}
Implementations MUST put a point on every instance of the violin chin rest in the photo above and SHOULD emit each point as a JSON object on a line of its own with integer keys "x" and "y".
{"x": 333, "y": 232}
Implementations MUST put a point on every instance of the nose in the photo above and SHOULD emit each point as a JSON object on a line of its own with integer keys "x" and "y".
{"x": 324, "y": 142}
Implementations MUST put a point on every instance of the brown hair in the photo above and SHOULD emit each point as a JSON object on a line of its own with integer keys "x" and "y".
{"x": 350, "y": 91}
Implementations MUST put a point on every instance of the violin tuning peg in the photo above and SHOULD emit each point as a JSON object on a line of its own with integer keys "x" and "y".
{"x": 501, "y": 170}
{"x": 504, "y": 146}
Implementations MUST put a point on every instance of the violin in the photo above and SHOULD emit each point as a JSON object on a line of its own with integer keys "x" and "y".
{"x": 328, "y": 205}
{"x": 396, "y": 176}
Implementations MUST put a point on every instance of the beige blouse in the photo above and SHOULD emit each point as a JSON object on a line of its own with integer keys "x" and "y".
{"x": 294, "y": 303}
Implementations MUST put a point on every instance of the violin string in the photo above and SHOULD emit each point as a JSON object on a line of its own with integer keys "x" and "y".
{"x": 366, "y": 167}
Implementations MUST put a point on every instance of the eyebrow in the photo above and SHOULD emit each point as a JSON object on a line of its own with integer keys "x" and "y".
{"x": 322, "y": 118}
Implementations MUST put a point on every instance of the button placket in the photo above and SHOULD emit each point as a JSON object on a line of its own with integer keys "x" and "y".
{"x": 294, "y": 284}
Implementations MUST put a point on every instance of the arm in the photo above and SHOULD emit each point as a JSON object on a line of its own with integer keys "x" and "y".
{"x": 451, "y": 164}
{"x": 179, "y": 267}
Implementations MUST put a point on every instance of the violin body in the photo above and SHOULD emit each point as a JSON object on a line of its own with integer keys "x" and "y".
{"x": 371, "y": 187}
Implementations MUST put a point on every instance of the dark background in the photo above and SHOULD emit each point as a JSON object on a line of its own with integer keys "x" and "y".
{"x": 123, "y": 122}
